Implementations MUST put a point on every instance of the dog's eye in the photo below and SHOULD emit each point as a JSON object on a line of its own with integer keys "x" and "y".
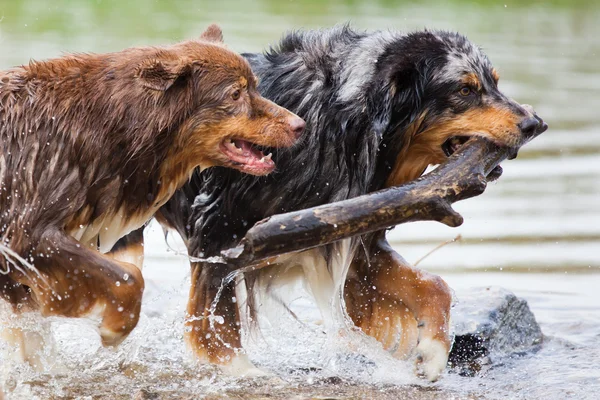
{"x": 236, "y": 95}
{"x": 465, "y": 91}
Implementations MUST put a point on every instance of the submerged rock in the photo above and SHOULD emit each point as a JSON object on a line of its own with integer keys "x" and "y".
{"x": 490, "y": 323}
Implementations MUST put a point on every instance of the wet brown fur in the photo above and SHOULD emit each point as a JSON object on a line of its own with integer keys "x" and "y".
{"x": 93, "y": 145}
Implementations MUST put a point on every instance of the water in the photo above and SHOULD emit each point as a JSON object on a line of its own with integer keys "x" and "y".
{"x": 536, "y": 231}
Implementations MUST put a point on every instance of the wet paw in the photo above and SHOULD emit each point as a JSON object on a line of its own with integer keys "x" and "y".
{"x": 432, "y": 357}
{"x": 241, "y": 366}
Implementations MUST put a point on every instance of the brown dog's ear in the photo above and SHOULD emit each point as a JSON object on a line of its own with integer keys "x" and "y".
{"x": 212, "y": 34}
{"x": 159, "y": 74}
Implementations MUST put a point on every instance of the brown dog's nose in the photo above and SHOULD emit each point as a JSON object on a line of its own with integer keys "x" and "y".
{"x": 296, "y": 125}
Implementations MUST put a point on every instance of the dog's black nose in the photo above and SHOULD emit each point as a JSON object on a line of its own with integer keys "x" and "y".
{"x": 532, "y": 126}
{"x": 542, "y": 127}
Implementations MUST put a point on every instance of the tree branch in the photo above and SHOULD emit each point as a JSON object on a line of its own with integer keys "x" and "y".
{"x": 428, "y": 198}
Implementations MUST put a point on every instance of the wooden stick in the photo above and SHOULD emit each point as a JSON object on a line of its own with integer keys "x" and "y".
{"x": 428, "y": 198}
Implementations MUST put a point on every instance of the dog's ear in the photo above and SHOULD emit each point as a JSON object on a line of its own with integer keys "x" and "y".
{"x": 406, "y": 93}
{"x": 212, "y": 34}
{"x": 160, "y": 75}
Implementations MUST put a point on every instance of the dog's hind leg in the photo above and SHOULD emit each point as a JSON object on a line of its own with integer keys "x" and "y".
{"x": 76, "y": 281}
{"x": 27, "y": 344}
{"x": 23, "y": 332}
{"x": 401, "y": 306}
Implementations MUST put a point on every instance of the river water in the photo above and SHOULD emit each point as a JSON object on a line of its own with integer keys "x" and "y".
{"x": 536, "y": 231}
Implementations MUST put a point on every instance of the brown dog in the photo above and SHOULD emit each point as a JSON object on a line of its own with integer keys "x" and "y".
{"x": 92, "y": 145}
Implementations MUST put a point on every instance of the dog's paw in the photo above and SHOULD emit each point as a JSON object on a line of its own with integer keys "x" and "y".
{"x": 241, "y": 366}
{"x": 432, "y": 357}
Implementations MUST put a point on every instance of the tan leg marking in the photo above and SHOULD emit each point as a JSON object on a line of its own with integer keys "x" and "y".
{"x": 389, "y": 300}
{"x": 78, "y": 281}
{"x": 214, "y": 338}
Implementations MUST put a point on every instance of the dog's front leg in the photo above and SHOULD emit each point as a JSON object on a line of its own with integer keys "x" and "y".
{"x": 75, "y": 281}
{"x": 212, "y": 327}
{"x": 405, "y": 308}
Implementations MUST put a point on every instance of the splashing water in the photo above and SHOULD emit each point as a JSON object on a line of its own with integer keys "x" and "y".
{"x": 14, "y": 259}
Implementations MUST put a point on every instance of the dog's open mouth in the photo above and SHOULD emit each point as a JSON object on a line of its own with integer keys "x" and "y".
{"x": 453, "y": 144}
{"x": 246, "y": 157}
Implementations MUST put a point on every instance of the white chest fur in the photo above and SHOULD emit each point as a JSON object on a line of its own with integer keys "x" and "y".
{"x": 103, "y": 232}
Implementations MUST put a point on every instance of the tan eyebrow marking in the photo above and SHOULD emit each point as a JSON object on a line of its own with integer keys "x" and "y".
{"x": 471, "y": 79}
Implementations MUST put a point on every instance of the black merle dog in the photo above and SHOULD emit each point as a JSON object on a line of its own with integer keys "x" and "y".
{"x": 380, "y": 107}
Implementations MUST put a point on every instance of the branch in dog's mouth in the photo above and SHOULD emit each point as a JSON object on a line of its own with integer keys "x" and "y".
{"x": 247, "y": 157}
{"x": 453, "y": 144}
{"x": 463, "y": 175}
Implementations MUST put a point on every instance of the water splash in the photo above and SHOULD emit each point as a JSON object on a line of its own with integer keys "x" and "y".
{"x": 14, "y": 259}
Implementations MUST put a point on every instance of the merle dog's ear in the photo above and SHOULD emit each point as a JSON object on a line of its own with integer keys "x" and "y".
{"x": 396, "y": 101}
{"x": 407, "y": 93}
{"x": 212, "y": 34}
{"x": 161, "y": 74}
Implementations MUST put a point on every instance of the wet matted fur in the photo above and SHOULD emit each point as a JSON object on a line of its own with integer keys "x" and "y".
{"x": 93, "y": 144}
{"x": 380, "y": 107}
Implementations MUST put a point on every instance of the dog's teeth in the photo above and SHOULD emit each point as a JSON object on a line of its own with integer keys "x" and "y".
{"x": 268, "y": 157}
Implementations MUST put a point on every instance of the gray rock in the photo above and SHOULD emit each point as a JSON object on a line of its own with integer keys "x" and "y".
{"x": 490, "y": 323}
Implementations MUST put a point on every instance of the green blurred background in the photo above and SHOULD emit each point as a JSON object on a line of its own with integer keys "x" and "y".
{"x": 542, "y": 215}
{"x": 536, "y": 231}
